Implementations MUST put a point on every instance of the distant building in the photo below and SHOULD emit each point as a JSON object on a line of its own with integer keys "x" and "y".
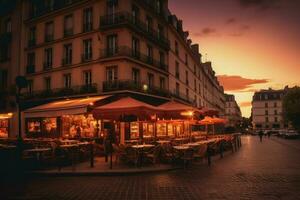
{"x": 267, "y": 109}
{"x": 232, "y": 111}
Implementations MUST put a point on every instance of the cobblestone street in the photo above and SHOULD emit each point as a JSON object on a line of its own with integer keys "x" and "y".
{"x": 267, "y": 170}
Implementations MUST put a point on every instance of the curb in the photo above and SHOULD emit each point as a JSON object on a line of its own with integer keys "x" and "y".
{"x": 98, "y": 173}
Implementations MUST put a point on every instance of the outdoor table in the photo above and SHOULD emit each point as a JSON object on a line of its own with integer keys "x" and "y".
{"x": 68, "y": 145}
{"x": 38, "y": 152}
{"x": 7, "y": 146}
{"x": 131, "y": 141}
{"x": 140, "y": 151}
{"x": 163, "y": 142}
{"x": 68, "y": 142}
{"x": 192, "y": 144}
{"x": 181, "y": 147}
{"x": 83, "y": 143}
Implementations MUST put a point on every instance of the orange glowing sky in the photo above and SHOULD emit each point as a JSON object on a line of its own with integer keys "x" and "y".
{"x": 253, "y": 44}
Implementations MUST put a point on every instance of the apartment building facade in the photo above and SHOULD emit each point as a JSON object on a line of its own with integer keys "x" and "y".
{"x": 73, "y": 48}
{"x": 267, "y": 109}
{"x": 232, "y": 111}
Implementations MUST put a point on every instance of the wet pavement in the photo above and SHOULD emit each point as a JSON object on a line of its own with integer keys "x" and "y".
{"x": 267, "y": 170}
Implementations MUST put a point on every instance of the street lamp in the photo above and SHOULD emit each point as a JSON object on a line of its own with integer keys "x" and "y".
{"x": 21, "y": 83}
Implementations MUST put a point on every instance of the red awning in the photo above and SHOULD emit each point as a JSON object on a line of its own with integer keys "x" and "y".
{"x": 126, "y": 106}
{"x": 212, "y": 120}
{"x": 177, "y": 110}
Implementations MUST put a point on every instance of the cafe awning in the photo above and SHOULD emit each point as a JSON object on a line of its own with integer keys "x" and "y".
{"x": 212, "y": 120}
{"x": 63, "y": 107}
{"x": 126, "y": 106}
{"x": 178, "y": 110}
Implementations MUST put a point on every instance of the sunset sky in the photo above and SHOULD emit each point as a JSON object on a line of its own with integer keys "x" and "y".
{"x": 253, "y": 44}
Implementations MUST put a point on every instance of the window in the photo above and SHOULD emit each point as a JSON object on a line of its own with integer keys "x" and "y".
{"x": 186, "y": 77}
{"x": 32, "y": 36}
{"x": 136, "y": 75}
{"x": 176, "y": 48}
{"x": 68, "y": 25}
{"x": 275, "y": 112}
{"x": 149, "y": 24}
{"x": 158, "y": 6}
{"x": 186, "y": 59}
{"x": 5, "y": 52}
{"x": 49, "y": 31}
{"x": 267, "y": 119}
{"x": 67, "y": 80}
{"x": 7, "y": 25}
{"x": 275, "y": 104}
{"x": 48, "y": 83}
{"x": 162, "y": 83}
{"x": 177, "y": 89}
{"x": 199, "y": 88}
{"x": 111, "y": 73}
{"x": 67, "y": 60}
{"x": 48, "y": 58}
{"x": 266, "y": 112}
{"x": 112, "y": 45}
{"x": 195, "y": 72}
{"x": 135, "y": 47}
{"x": 160, "y": 32}
{"x": 162, "y": 59}
{"x": 30, "y": 63}
{"x": 149, "y": 54}
{"x": 49, "y": 4}
{"x": 276, "y": 119}
{"x": 177, "y": 69}
{"x": 87, "y": 77}
{"x": 195, "y": 85}
{"x": 87, "y": 50}
{"x": 29, "y": 86}
{"x": 4, "y": 79}
{"x": 135, "y": 14}
{"x": 150, "y": 80}
{"x": 187, "y": 93}
{"x": 266, "y": 105}
{"x": 87, "y": 19}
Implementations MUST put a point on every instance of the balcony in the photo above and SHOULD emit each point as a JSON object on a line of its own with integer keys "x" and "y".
{"x": 42, "y": 9}
{"x": 5, "y": 38}
{"x": 49, "y": 38}
{"x": 181, "y": 96}
{"x": 119, "y": 85}
{"x": 87, "y": 27}
{"x": 61, "y": 92}
{"x": 47, "y": 66}
{"x": 30, "y": 69}
{"x": 86, "y": 57}
{"x": 31, "y": 43}
{"x": 66, "y": 61}
{"x": 126, "y": 19}
{"x": 68, "y": 32}
{"x": 151, "y": 6}
{"x": 136, "y": 55}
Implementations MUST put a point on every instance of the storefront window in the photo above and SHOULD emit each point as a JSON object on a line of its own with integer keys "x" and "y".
{"x": 148, "y": 130}
{"x": 49, "y": 126}
{"x": 42, "y": 127}
{"x": 134, "y": 130}
{"x": 33, "y": 126}
{"x": 161, "y": 130}
{"x": 170, "y": 130}
{"x": 80, "y": 126}
{"x": 4, "y": 126}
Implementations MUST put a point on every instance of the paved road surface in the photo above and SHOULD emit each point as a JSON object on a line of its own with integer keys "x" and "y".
{"x": 267, "y": 170}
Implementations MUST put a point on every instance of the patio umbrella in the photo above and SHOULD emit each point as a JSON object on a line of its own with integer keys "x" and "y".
{"x": 212, "y": 121}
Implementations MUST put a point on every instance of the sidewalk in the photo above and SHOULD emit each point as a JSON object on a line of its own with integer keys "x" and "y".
{"x": 101, "y": 168}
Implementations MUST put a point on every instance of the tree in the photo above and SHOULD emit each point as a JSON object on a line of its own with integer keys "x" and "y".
{"x": 291, "y": 107}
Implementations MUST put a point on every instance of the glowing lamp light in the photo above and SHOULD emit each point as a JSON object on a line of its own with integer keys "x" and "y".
{"x": 91, "y": 104}
{"x": 145, "y": 87}
{"x": 187, "y": 113}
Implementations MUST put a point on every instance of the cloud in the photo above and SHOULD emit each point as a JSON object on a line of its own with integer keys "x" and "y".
{"x": 260, "y": 4}
{"x": 238, "y": 83}
{"x": 245, "y": 104}
{"x": 208, "y": 31}
{"x": 231, "y": 21}
{"x": 241, "y": 31}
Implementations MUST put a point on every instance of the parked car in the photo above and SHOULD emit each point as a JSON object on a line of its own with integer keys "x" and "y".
{"x": 291, "y": 135}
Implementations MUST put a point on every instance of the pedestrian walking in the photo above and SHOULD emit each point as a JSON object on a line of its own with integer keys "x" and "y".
{"x": 269, "y": 134}
{"x": 261, "y": 133}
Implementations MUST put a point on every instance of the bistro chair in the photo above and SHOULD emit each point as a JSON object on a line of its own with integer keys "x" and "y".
{"x": 153, "y": 154}
{"x": 119, "y": 151}
{"x": 200, "y": 153}
{"x": 187, "y": 157}
{"x": 167, "y": 153}
{"x": 131, "y": 156}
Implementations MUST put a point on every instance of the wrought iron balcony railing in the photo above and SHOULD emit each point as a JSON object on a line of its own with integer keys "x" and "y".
{"x": 134, "y": 54}
{"x": 68, "y": 32}
{"x": 119, "y": 85}
{"x": 61, "y": 92}
{"x": 126, "y": 19}
{"x": 30, "y": 69}
{"x": 86, "y": 57}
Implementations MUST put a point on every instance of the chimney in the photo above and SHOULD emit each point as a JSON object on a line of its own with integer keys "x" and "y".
{"x": 195, "y": 48}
